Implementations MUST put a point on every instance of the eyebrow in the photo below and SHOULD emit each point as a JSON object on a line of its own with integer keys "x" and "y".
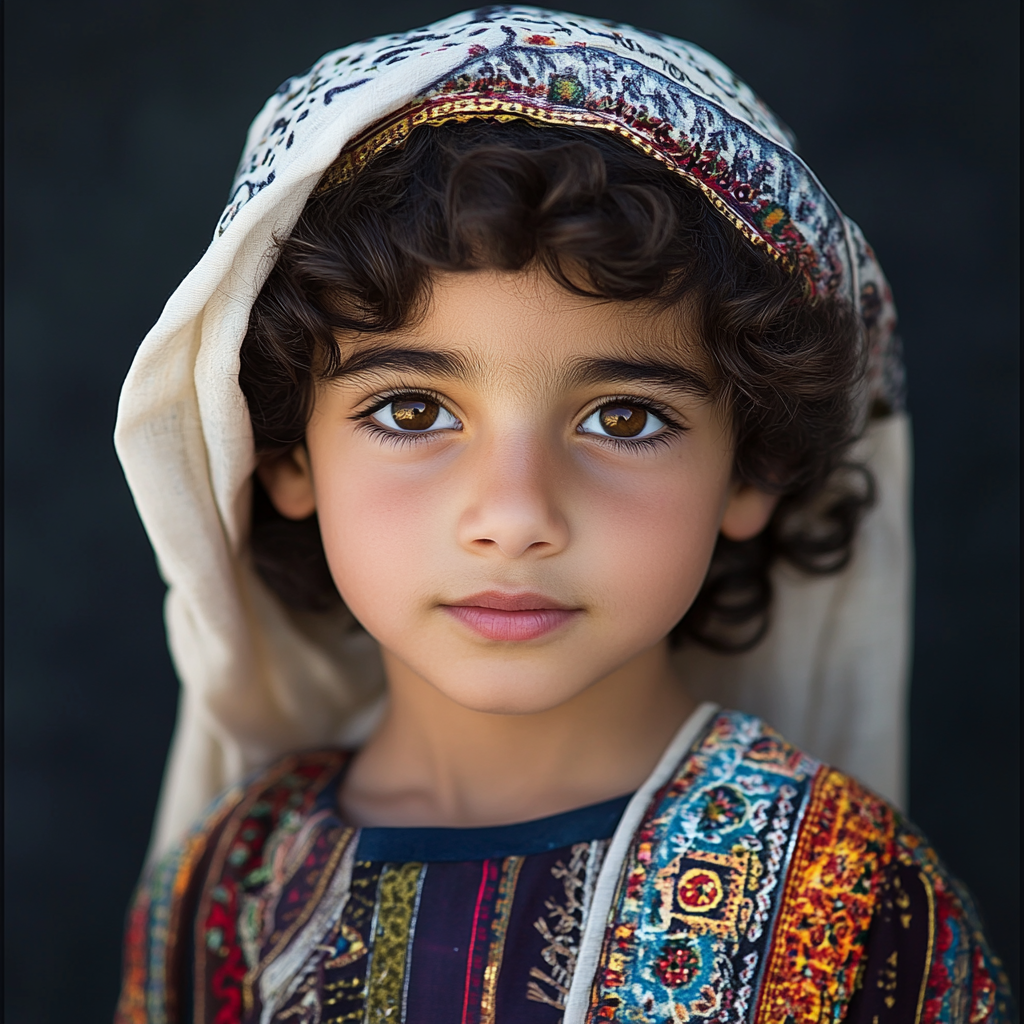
{"x": 581, "y": 372}
{"x": 675, "y": 376}
{"x": 407, "y": 360}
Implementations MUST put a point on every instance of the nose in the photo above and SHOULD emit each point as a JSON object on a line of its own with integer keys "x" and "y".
{"x": 512, "y": 505}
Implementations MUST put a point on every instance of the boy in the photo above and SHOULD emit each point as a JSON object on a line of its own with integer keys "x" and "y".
{"x": 528, "y": 356}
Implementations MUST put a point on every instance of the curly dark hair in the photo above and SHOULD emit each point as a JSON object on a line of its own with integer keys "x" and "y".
{"x": 603, "y": 219}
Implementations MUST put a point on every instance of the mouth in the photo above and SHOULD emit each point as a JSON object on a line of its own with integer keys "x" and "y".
{"x": 497, "y": 616}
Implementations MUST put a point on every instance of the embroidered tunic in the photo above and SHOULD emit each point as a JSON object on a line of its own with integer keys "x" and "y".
{"x": 760, "y": 886}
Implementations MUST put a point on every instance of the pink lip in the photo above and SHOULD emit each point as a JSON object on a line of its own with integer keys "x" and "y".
{"x": 497, "y": 616}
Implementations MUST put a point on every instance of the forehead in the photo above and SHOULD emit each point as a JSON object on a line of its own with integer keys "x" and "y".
{"x": 503, "y": 324}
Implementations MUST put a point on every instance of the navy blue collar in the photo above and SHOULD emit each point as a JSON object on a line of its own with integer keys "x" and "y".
{"x": 423, "y": 845}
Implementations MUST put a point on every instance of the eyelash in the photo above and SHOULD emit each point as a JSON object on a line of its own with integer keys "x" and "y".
{"x": 663, "y": 437}
{"x": 390, "y": 436}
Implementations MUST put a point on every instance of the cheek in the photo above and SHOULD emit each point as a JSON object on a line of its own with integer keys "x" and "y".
{"x": 378, "y": 527}
{"x": 653, "y": 539}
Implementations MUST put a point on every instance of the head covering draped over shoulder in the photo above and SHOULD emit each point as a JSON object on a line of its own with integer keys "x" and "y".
{"x": 259, "y": 679}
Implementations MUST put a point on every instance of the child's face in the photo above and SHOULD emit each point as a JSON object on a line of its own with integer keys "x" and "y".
{"x": 520, "y": 494}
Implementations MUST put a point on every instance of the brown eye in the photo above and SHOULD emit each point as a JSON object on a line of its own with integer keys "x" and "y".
{"x": 415, "y": 413}
{"x": 622, "y": 420}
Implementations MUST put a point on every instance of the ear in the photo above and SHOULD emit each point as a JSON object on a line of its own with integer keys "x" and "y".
{"x": 288, "y": 481}
{"x": 747, "y": 512}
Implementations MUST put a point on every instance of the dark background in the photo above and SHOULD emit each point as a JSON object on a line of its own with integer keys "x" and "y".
{"x": 124, "y": 122}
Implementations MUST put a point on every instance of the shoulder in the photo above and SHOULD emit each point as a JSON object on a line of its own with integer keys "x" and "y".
{"x": 757, "y": 879}
{"x": 201, "y": 881}
{"x": 962, "y": 978}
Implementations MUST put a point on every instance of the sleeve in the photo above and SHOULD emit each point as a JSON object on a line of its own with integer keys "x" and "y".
{"x": 185, "y": 957}
{"x": 156, "y": 972}
{"x": 928, "y": 961}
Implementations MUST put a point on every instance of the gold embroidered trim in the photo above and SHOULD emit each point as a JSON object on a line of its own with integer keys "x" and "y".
{"x": 845, "y": 840}
{"x": 931, "y": 946}
{"x": 393, "y": 925}
{"x": 499, "y": 929}
{"x": 393, "y": 131}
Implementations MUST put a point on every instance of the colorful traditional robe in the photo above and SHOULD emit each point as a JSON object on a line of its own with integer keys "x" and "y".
{"x": 761, "y": 885}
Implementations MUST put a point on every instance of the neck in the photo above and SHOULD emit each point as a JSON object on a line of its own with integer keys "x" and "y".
{"x": 433, "y": 762}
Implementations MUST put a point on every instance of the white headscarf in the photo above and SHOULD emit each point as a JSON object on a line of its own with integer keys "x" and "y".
{"x": 258, "y": 679}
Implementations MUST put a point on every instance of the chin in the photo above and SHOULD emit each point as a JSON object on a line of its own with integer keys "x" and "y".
{"x": 509, "y": 696}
